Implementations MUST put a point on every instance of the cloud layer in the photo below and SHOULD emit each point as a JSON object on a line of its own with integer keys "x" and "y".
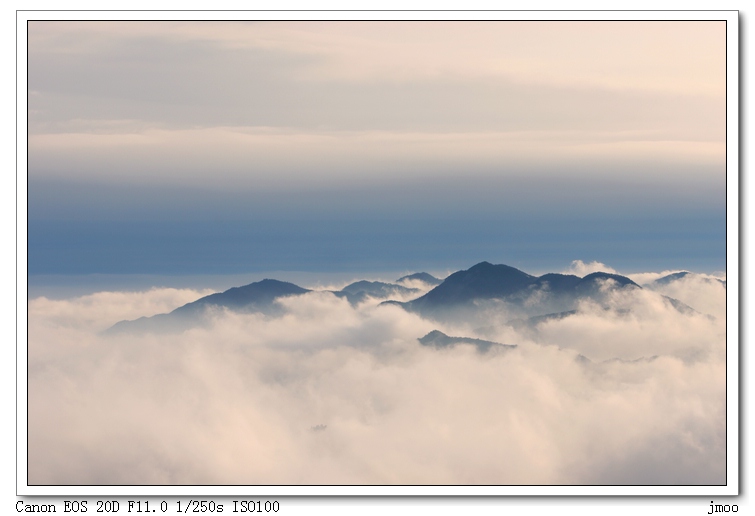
{"x": 371, "y": 102}
{"x": 334, "y": 394}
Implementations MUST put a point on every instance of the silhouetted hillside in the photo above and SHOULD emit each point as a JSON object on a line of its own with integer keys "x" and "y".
{"x": 421, "y": 276}
{"x": 358, "y": 291}
{"x": 438, "y": 339}
{"x": 255, "y": 297}
{"x": 475, "y": 295}
{"x": 486, "y": 281}
{"x": 677, "y": 276}
{"x": 483, "y": 281}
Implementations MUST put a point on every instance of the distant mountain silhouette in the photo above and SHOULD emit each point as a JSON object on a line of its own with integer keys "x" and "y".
{"x": 676, "y": 276}
{"x": 251, "y": 297}
{"x": 600, "y": 365}
{"x": 558, "y": 282}
{"x": 438, "y": 339}
{"x": 591, "y": 283}
{"x": 532, "y": 322}
{"x": 665, "y": 280}
{"x": 471, "y": 296}
{"x": 358, "y": 291}
{"x": 421, "y": 276}
{"x": 255, "y": 297}
{"x": 486, "y": 281}
{"x": 680, "y": 307}
{"x": 483, "y": 281}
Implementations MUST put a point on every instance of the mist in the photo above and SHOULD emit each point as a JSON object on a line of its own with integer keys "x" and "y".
{"x": 631, "y": 391}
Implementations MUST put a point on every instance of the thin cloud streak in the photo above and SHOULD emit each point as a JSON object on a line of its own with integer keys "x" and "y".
{"x": 248, "y": 157}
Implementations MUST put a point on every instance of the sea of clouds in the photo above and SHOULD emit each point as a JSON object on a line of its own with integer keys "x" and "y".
{"x": 631, "y": 391}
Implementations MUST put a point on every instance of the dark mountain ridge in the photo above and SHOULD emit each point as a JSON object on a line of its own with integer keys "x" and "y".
{"x": 421, "y": 276}
{"x": 255, "y": 297}
{"x": 252, "y": 296}
{"x": 440, "y": 340}
{"x": 465, "y": 295}
{"x": 483, "y": 281}
{"x": 359, "y": 291}
{"x": 676, "y": 276}
{"x": 486, "y": 281}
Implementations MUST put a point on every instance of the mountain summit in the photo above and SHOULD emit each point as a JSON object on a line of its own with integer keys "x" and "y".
{"x": 359, "y": 291}
{"x": 255, "y": 297}
{"x": 485, "y": 281}
{"x": 420, "y": 276}
{"x": 462, "y": 295}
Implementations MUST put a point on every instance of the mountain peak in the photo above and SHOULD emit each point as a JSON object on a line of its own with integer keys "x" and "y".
{"x": 483, "y": 280}
{"x": 621, "y": 280}
{"x": 359, "y": 291}
{"x": 259, "y": 296}
{"x": 487, "y": 281}
{"x": 440, "y": 340}
{"x": 421, "y": 276}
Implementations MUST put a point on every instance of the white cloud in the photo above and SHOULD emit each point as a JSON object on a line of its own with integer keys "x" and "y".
{"x": 635, "y": 324}
{"x": 643, "y": 278}
{"x": 581, "y": 269}
{"x": 704, "y": 293}
{"x": 417, "y": 284}
{"x": 102, "y": 309}
{"x": 236, "y": 402}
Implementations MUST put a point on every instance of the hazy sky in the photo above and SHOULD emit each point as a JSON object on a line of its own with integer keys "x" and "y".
{"x": 229, "y": 147}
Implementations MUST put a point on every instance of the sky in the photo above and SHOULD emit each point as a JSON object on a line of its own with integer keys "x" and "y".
{"x": 231, "y": 147}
